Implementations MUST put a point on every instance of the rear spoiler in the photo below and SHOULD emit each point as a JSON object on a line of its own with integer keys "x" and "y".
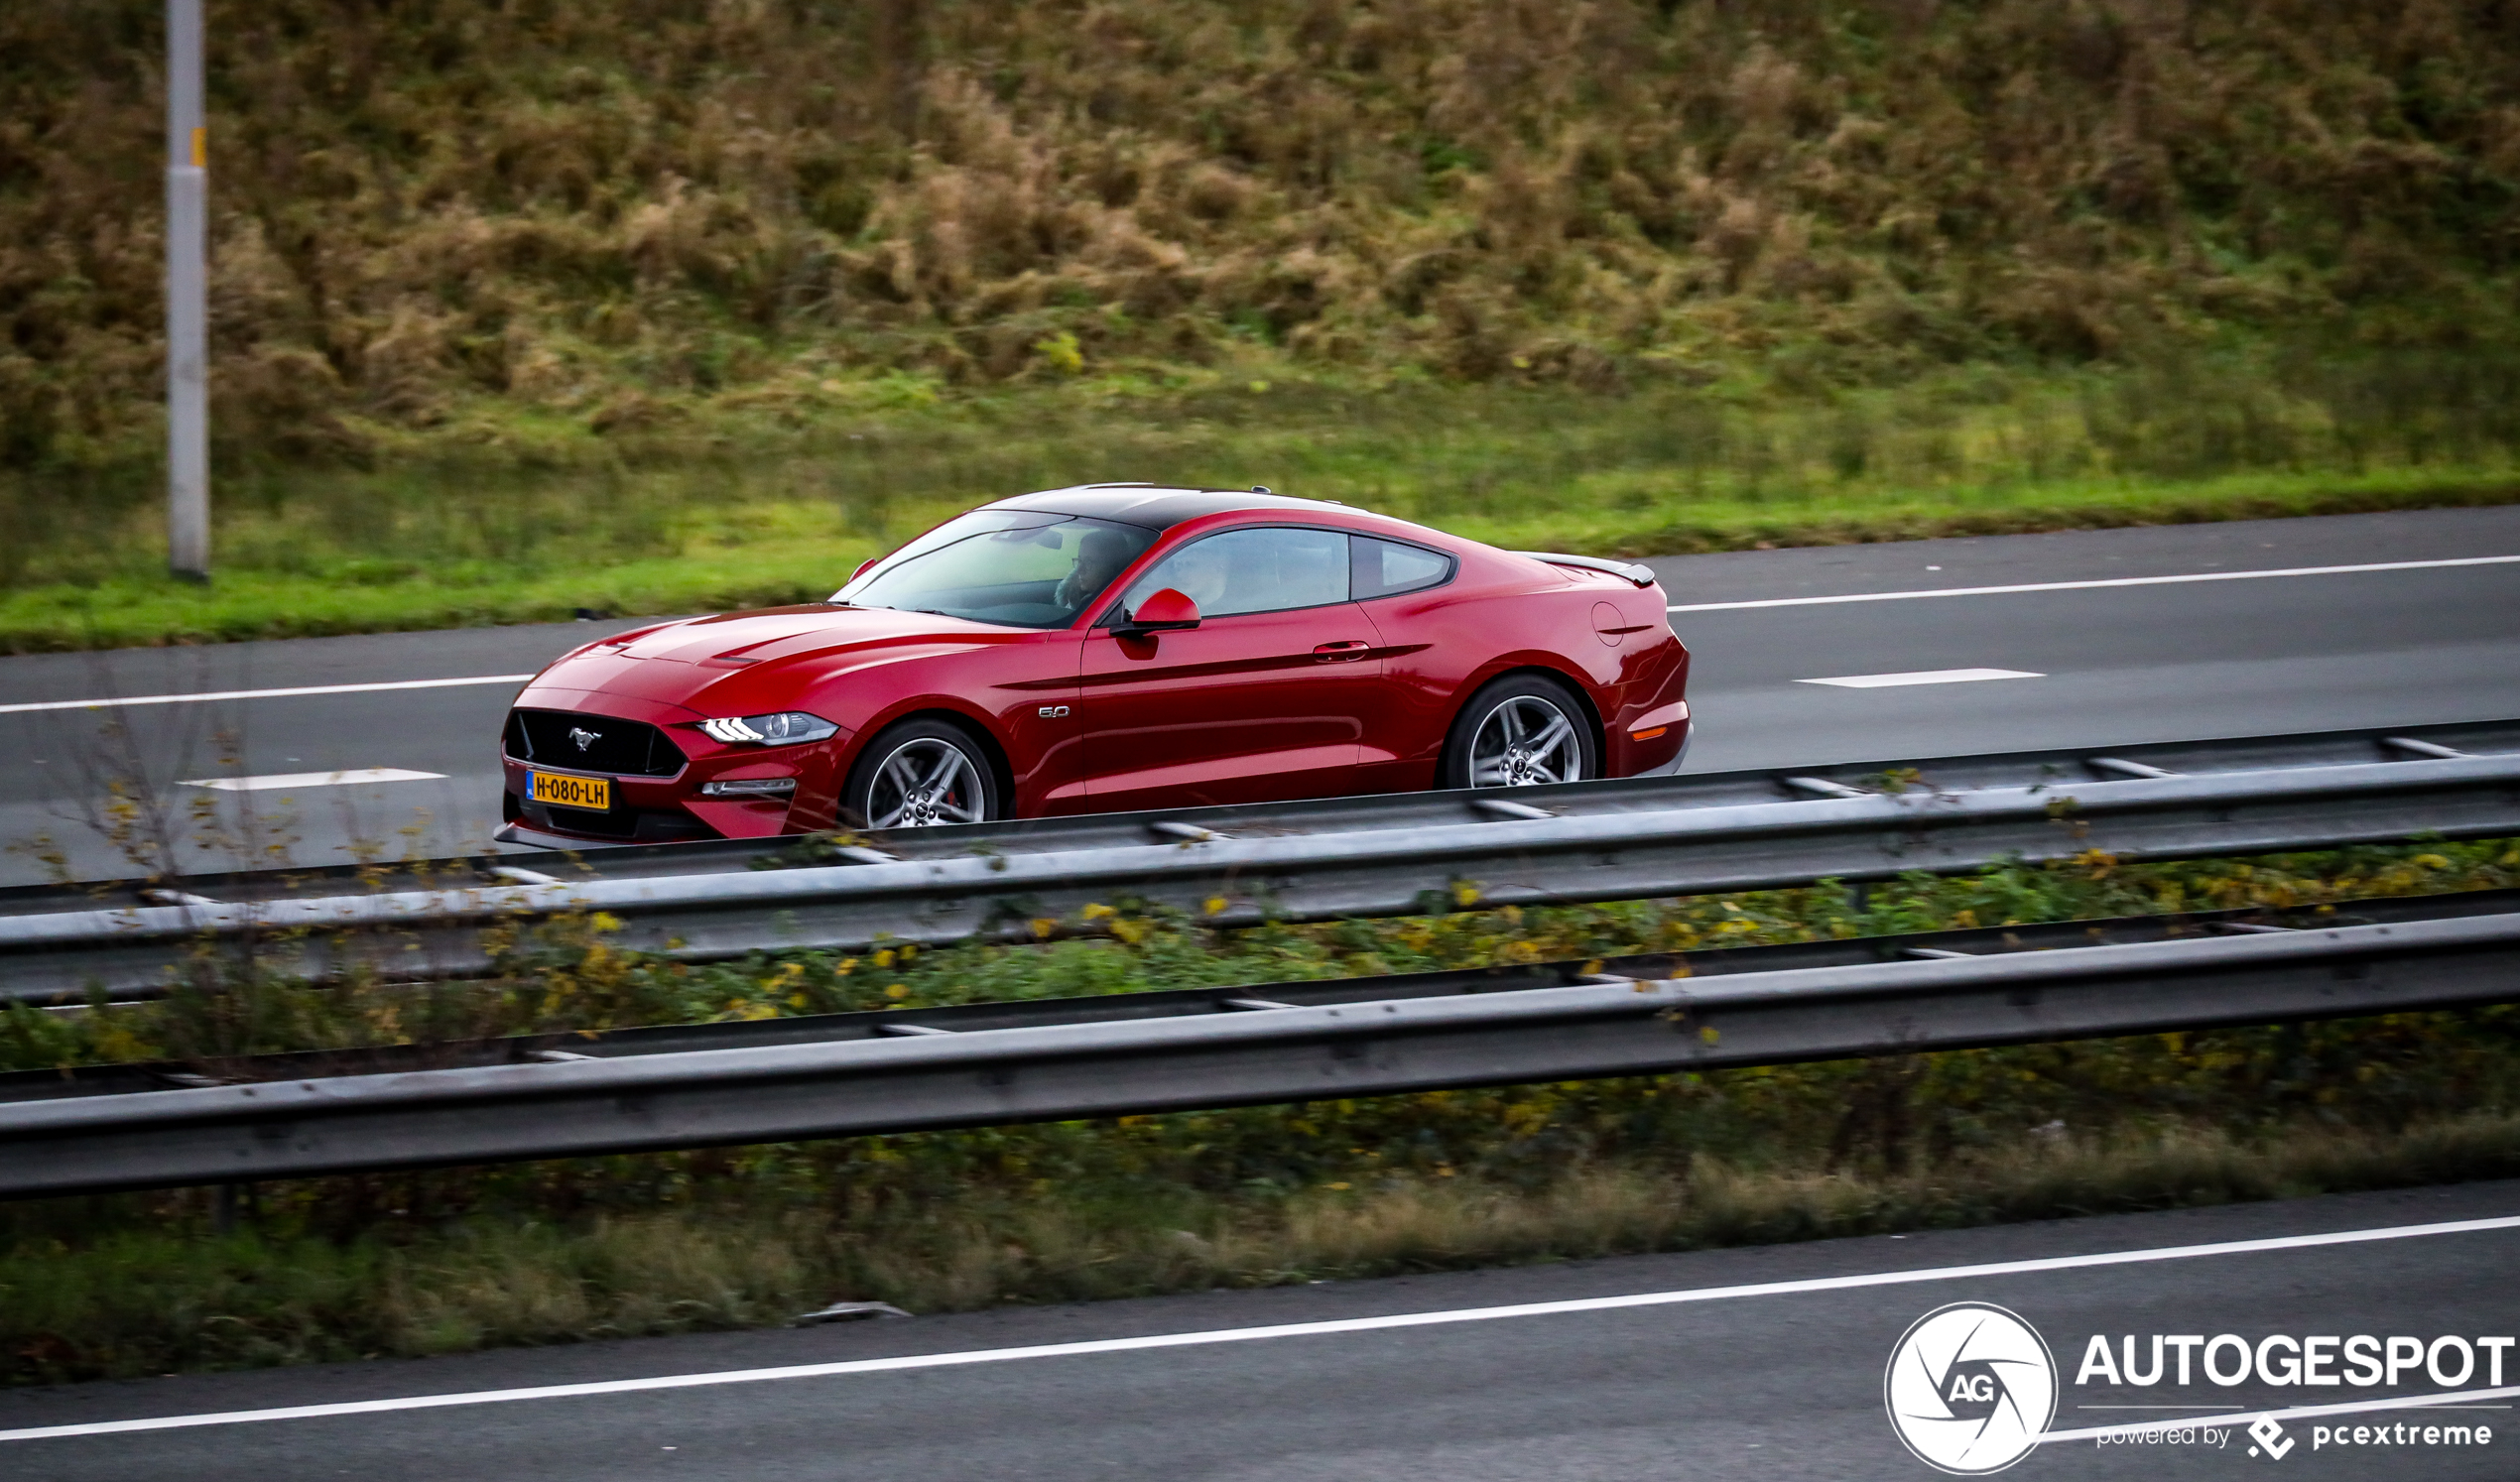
{"x": 1641, "y": 576}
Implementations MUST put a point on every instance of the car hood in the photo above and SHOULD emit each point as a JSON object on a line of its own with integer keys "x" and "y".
{"x": 677, "y": 663}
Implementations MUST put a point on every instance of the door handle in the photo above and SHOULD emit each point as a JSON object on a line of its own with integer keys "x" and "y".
{"x": 1344, "y": 651}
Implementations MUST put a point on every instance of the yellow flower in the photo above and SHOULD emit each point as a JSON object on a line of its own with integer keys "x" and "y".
{"x": 1097, "y": 911}
{"x": 1045, "y": 927}
{"x": 884, "y": 958}
{"x": 1217, "y": 904}
{"x": 897, "y": 990}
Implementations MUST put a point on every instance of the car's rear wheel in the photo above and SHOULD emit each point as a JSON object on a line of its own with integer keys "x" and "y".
{"x": 1522, "y": 730}
{"x": 921, "y": 773}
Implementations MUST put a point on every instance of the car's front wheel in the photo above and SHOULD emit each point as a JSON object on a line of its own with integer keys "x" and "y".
{"x": 921, "y": 774}
{"x": 1520, "y": 731}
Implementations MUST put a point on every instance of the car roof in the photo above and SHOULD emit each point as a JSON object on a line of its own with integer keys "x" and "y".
{"x": 1159, "y": 506}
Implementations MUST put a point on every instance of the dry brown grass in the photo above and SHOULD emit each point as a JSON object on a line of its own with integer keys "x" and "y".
{"x": 148, "y": 1302}
{"x": 665, "y": 1271}
{"x": 601, "y": 212}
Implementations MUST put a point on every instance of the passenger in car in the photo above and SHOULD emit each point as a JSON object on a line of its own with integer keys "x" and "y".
{"x": 1201, "y": 572}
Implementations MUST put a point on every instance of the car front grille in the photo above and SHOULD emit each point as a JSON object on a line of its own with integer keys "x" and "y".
{"x": 626, "y": 748}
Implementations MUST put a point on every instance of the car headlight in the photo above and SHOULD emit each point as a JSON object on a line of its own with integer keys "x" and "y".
{"x": 786, "y": 729}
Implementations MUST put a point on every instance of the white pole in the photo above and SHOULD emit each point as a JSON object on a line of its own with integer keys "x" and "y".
{"x": 187, "y": 351}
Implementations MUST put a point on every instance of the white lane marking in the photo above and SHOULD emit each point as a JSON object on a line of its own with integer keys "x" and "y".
{"x": 235, "y": 694}
{"x": 2075, "y": 586}
{"x": 1280, "y": 1331}
{"x": 1924, "y": 677}
{"x": 312, "y": 780}
{"x": 2443, "y": 1401}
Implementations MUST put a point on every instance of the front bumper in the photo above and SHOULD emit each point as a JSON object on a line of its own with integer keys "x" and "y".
{"x": 648, "y": 809}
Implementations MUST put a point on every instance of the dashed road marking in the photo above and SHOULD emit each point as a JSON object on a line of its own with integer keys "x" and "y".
{"x": 246, "y": 694}
{"x": 312, "y": 779}
{"x": 1924, "y": 677}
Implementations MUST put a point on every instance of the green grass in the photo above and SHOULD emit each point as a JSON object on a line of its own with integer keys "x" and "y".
{"x": 776, "y": 497}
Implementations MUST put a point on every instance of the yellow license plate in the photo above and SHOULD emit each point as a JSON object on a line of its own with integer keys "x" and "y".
{"x": 573, "y": 791}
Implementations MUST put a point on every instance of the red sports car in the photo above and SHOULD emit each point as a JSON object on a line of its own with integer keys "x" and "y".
{"x": 1105, "y": 647}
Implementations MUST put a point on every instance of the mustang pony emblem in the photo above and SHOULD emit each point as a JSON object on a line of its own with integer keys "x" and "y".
{"x": 584, "y": 737}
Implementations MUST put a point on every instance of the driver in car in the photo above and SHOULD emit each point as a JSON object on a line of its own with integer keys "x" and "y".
{"x": 1101, "y": 555}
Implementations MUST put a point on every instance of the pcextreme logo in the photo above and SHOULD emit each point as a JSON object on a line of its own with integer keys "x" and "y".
{"x": 1970, "y": 1388}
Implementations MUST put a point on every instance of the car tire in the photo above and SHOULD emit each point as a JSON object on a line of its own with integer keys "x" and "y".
{"x": 1504, "y": 737}
{"x": 920, "y": 773}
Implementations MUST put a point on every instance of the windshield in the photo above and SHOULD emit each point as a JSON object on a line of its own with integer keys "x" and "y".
{"x": 1019, "y": 567}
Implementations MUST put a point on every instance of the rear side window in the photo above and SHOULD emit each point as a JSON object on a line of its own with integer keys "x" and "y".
{"x": 1270, "y": 569}
{"x": 1386, "y": 568}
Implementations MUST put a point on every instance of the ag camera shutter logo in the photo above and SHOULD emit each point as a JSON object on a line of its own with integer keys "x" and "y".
{"x": 1971, "y": 1389}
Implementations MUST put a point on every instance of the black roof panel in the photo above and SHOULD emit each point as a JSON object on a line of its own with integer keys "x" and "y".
{"x": 1154, "y": 506}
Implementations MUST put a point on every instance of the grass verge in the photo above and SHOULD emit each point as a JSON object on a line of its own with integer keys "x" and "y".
{"x": 142, "y": 1302}
{"x": 537, "y": 519}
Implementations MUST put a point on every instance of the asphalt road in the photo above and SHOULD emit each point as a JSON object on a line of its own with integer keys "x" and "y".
{"x": 2104, "y": 666}
{"x": 1757, "y": 1382}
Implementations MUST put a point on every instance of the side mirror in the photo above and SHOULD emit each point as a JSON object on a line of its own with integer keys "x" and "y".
{"x": 1165, "y": 610}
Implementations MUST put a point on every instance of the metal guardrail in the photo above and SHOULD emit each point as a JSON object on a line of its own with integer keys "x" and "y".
{"x": 1235, "y": 879}
{"x": 2050, "y": 767}
{"x": 1714, "y": 959}
{"x": 1254, "y": 1045}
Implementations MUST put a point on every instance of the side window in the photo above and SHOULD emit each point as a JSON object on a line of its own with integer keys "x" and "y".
{"x": 1385, "y": 569}
{"x": 1268, "y": 570}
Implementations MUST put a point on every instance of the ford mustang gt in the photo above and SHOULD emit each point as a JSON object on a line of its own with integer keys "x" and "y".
{"x": 1106, "y": 648}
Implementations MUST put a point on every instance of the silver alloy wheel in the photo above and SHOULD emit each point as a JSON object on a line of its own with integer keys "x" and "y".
{"x": 926, "y": 782}
{"x": 1526, "y": 740}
